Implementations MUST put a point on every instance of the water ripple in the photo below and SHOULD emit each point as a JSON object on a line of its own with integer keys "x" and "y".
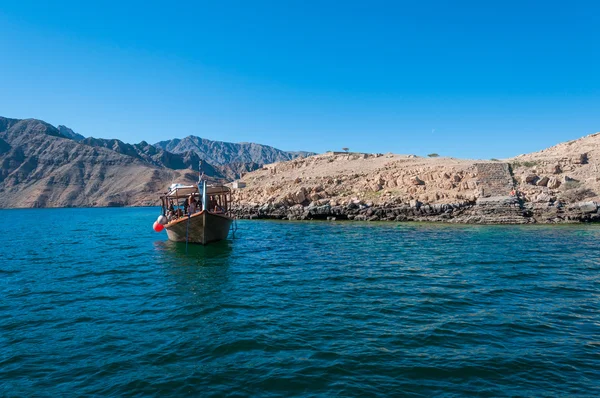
{"x": 103, "y": 306}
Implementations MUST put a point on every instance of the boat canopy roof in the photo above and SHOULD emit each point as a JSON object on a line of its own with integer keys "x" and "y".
{"x": 181, "y": 190}
{"x": 216, "y": 189}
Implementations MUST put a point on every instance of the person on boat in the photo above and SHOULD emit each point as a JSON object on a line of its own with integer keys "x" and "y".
{"x": 171, "y": 211}
{"x": 191, "y": 205}
{"x": 212, "y": 204}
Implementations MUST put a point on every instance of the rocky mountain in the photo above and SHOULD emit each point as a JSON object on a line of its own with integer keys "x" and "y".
{"x": 41, "y": 168}
{"x": 221, "y": 153}
{"x": 149, "y": 154}
{"x": 45, "y": 166}
{"x": 177, "y": 161}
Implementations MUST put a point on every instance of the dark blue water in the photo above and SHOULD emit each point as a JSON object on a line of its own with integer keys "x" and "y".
{"x": 93, "y": 302}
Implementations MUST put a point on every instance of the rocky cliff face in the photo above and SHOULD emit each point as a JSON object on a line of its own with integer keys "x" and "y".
{"x": 43, "y": 169}
{"x": 560, "y": 184}
{"x": 221, "y": 153}
{"x": 44, "y": 166}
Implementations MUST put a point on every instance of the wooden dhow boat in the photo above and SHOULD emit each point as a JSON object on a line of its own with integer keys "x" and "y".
{"x": 196, "y": 213}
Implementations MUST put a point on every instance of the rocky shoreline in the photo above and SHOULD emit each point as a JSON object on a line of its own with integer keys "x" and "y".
{"x": 491, "y": 210}
{"x": 560, "y": 184}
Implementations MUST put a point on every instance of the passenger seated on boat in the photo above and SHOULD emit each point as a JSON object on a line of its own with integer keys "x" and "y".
{"x": 218, "y": 209}
{"x": 191, "y": 205}
{"x": 178, "y": 213}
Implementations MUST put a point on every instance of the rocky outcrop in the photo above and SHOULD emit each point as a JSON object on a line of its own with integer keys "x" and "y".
{"x": 356, "y": 210}
{"x": 493, "y": 210}
{"x": 543, "y": 187}
{"x": 369, "y": 177}
{"x": 568, "y": 171}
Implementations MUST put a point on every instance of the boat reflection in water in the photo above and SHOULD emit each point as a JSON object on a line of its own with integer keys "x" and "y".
{"x": 176, "y": 253}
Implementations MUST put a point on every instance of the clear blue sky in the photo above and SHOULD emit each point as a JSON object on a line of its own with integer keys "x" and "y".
{"x": 474, "y": 79}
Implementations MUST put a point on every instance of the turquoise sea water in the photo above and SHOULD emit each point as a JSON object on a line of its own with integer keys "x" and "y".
{"x": 94, "y": 303}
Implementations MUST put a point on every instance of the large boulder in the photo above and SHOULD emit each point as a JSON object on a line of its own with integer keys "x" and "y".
{"x": 581, "y": 159}
{"x": 314, "y": 197}
{"x": 415, "y": 204}
{"x": 553, "y": 183}
{"x": 352, "y": 205}
{"x": 321, "y": 210}
{"x": 299, "y": 197}
{"x": 588, "y": 207}
{"x": 375, "y": 186}
{"x": 542, "y": 182}
{"x": 531, "y": 179}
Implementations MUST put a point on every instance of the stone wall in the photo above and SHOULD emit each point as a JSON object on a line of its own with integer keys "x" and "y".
{"x": 494, "y": 179}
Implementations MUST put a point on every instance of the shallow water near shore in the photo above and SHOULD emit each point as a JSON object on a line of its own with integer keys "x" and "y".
{"x": 96, "y": 303}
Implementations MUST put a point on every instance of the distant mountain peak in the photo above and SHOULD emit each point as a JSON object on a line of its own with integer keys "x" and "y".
{"x": 70, "y": 134}
{"x": 221, "y": 152}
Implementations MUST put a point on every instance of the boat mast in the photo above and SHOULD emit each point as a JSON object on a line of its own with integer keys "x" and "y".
{"x": 200, "y": 172}
{"x": 203, "y": 181}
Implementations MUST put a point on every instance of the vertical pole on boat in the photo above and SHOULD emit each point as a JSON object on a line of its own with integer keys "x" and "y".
{"x": 203, "y": 189}
{"x": 187, "y": 230}
{"x": 204, "y": 196}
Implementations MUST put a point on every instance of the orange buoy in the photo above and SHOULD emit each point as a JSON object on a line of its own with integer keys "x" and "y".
{"x": 157, "y": 226}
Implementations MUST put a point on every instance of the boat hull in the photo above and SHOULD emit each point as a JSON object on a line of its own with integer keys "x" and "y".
{"x": 203, "y": 228}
